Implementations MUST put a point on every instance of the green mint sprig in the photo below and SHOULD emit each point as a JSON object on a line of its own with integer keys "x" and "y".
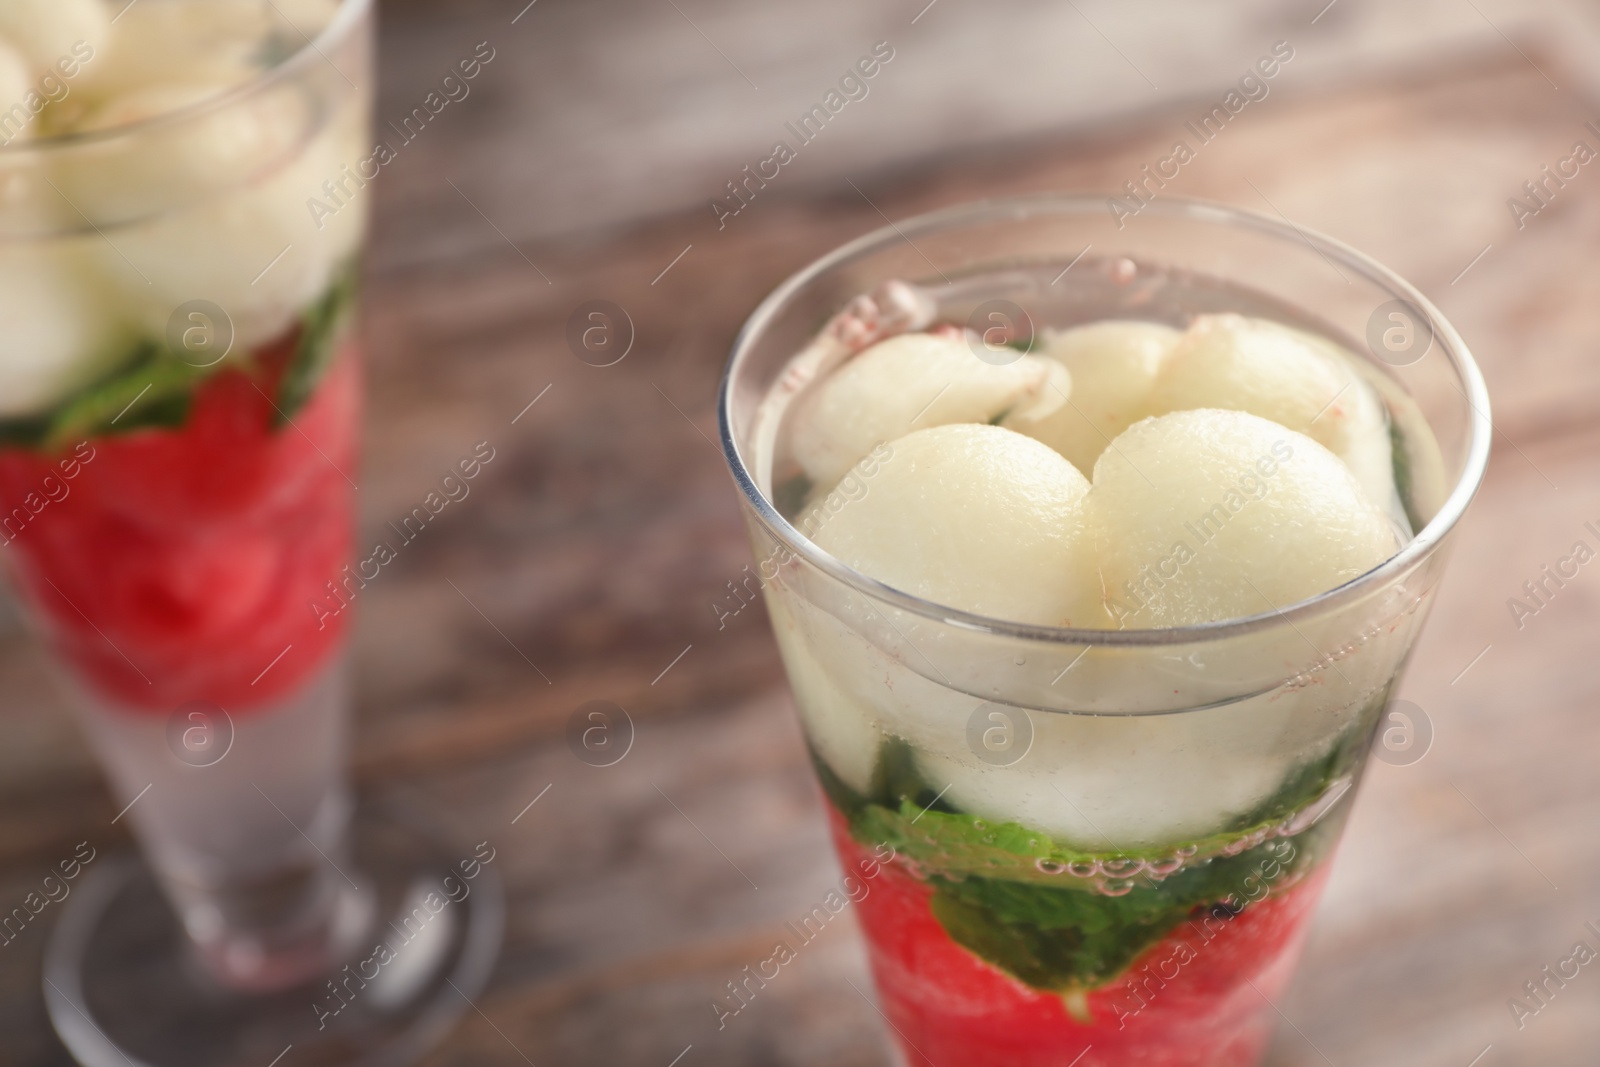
{"x": 150, "y": 388}
{"x": 1009, "y": 894}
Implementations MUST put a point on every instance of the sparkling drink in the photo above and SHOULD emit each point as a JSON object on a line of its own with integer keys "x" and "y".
{"x": 181, "y": 397}
{"x": 1109, "y": 837}
{"x": 182, "y": 209}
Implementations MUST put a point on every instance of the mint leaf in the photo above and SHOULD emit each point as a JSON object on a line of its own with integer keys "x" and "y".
{"x": 144, "y": 389}
{"x": 152, "y": 390}
{"x": 1053, "y": 939}
{"x": 1402, "y": 475}
{"x": 902, "y": 811}
{"x": 1035, "y": 908}
{"x": 321, "y": 329}
{"x": 1063, "y": 938}
{"x": 898, "y": 785}
{"x": 24, "y": 431}
{"x": 790, "y": 496}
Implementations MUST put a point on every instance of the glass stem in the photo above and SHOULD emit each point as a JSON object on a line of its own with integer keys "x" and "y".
{"x": 243, "y": 817}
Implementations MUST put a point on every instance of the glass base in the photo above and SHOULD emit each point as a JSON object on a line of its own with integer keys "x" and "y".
{"x": 125, "y": 988}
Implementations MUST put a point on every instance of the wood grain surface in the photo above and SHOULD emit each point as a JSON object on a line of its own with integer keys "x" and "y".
{"x": 596, "y": 541}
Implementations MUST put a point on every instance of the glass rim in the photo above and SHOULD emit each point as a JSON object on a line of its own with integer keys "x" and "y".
{"x": 1421, "y": 545}
{"x": 344, "y": 19}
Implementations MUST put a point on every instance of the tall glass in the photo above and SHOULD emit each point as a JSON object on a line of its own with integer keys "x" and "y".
{"x": 1103, "y": 844}
{"x": 178, "y": 522}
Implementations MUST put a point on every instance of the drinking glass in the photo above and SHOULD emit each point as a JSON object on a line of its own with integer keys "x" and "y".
{"x": 1103, "y": 844}
{"x": 178, "y": 530}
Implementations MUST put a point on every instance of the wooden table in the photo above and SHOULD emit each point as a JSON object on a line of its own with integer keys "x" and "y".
{"x": 597, "y": 540}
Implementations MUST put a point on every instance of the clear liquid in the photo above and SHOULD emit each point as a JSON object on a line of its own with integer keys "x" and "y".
{"x": 1137, "y": 879}
{"x": 1096, "y": 776}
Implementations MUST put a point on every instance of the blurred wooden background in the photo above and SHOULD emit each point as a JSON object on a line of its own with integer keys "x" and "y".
{"x": 597, "y": 541}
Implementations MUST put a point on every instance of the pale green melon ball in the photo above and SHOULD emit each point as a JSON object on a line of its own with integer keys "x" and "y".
{"x": 1207, "y": 515}
{"x": 207, "y": 42}
{"x": 1241, "y": 364}
{"x": 61, "y": 329}
{"x": 46, "y": 31}
{"x": 1294, "y": 378}
{"x": 842, "y": 728}
{"x": 1114, "y": 365}
{"x": 243, "y": 238}
{"x": 16, "y": 81}
{"x": 908, "y": 382}
{"x": 975, "y": 517}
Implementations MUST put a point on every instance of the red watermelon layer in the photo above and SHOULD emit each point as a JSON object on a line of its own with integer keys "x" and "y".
{"x": 1197, "y": 999}
{"x": 181, "y": 563}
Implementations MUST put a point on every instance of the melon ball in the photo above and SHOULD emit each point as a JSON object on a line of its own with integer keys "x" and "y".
{"x": 216, "y": 206}
{"x": 841, "y": 728}
{"x": 222, "y": 43}
{"x": 46, "y": 31}
{"x": 60, "y": 331}
{"x": 17, "y": 118}
{"x": 1293, "y": 378}
{"x": 1368, "y": 445}
{"x": 974, "y": 517}
{"x": 909, "y": 382}
{"x": 1208, "y": 514}
{"x": 1116, "y": 782}
{"x": 184, "y": 159}
{"x": 1114, "y": 366}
